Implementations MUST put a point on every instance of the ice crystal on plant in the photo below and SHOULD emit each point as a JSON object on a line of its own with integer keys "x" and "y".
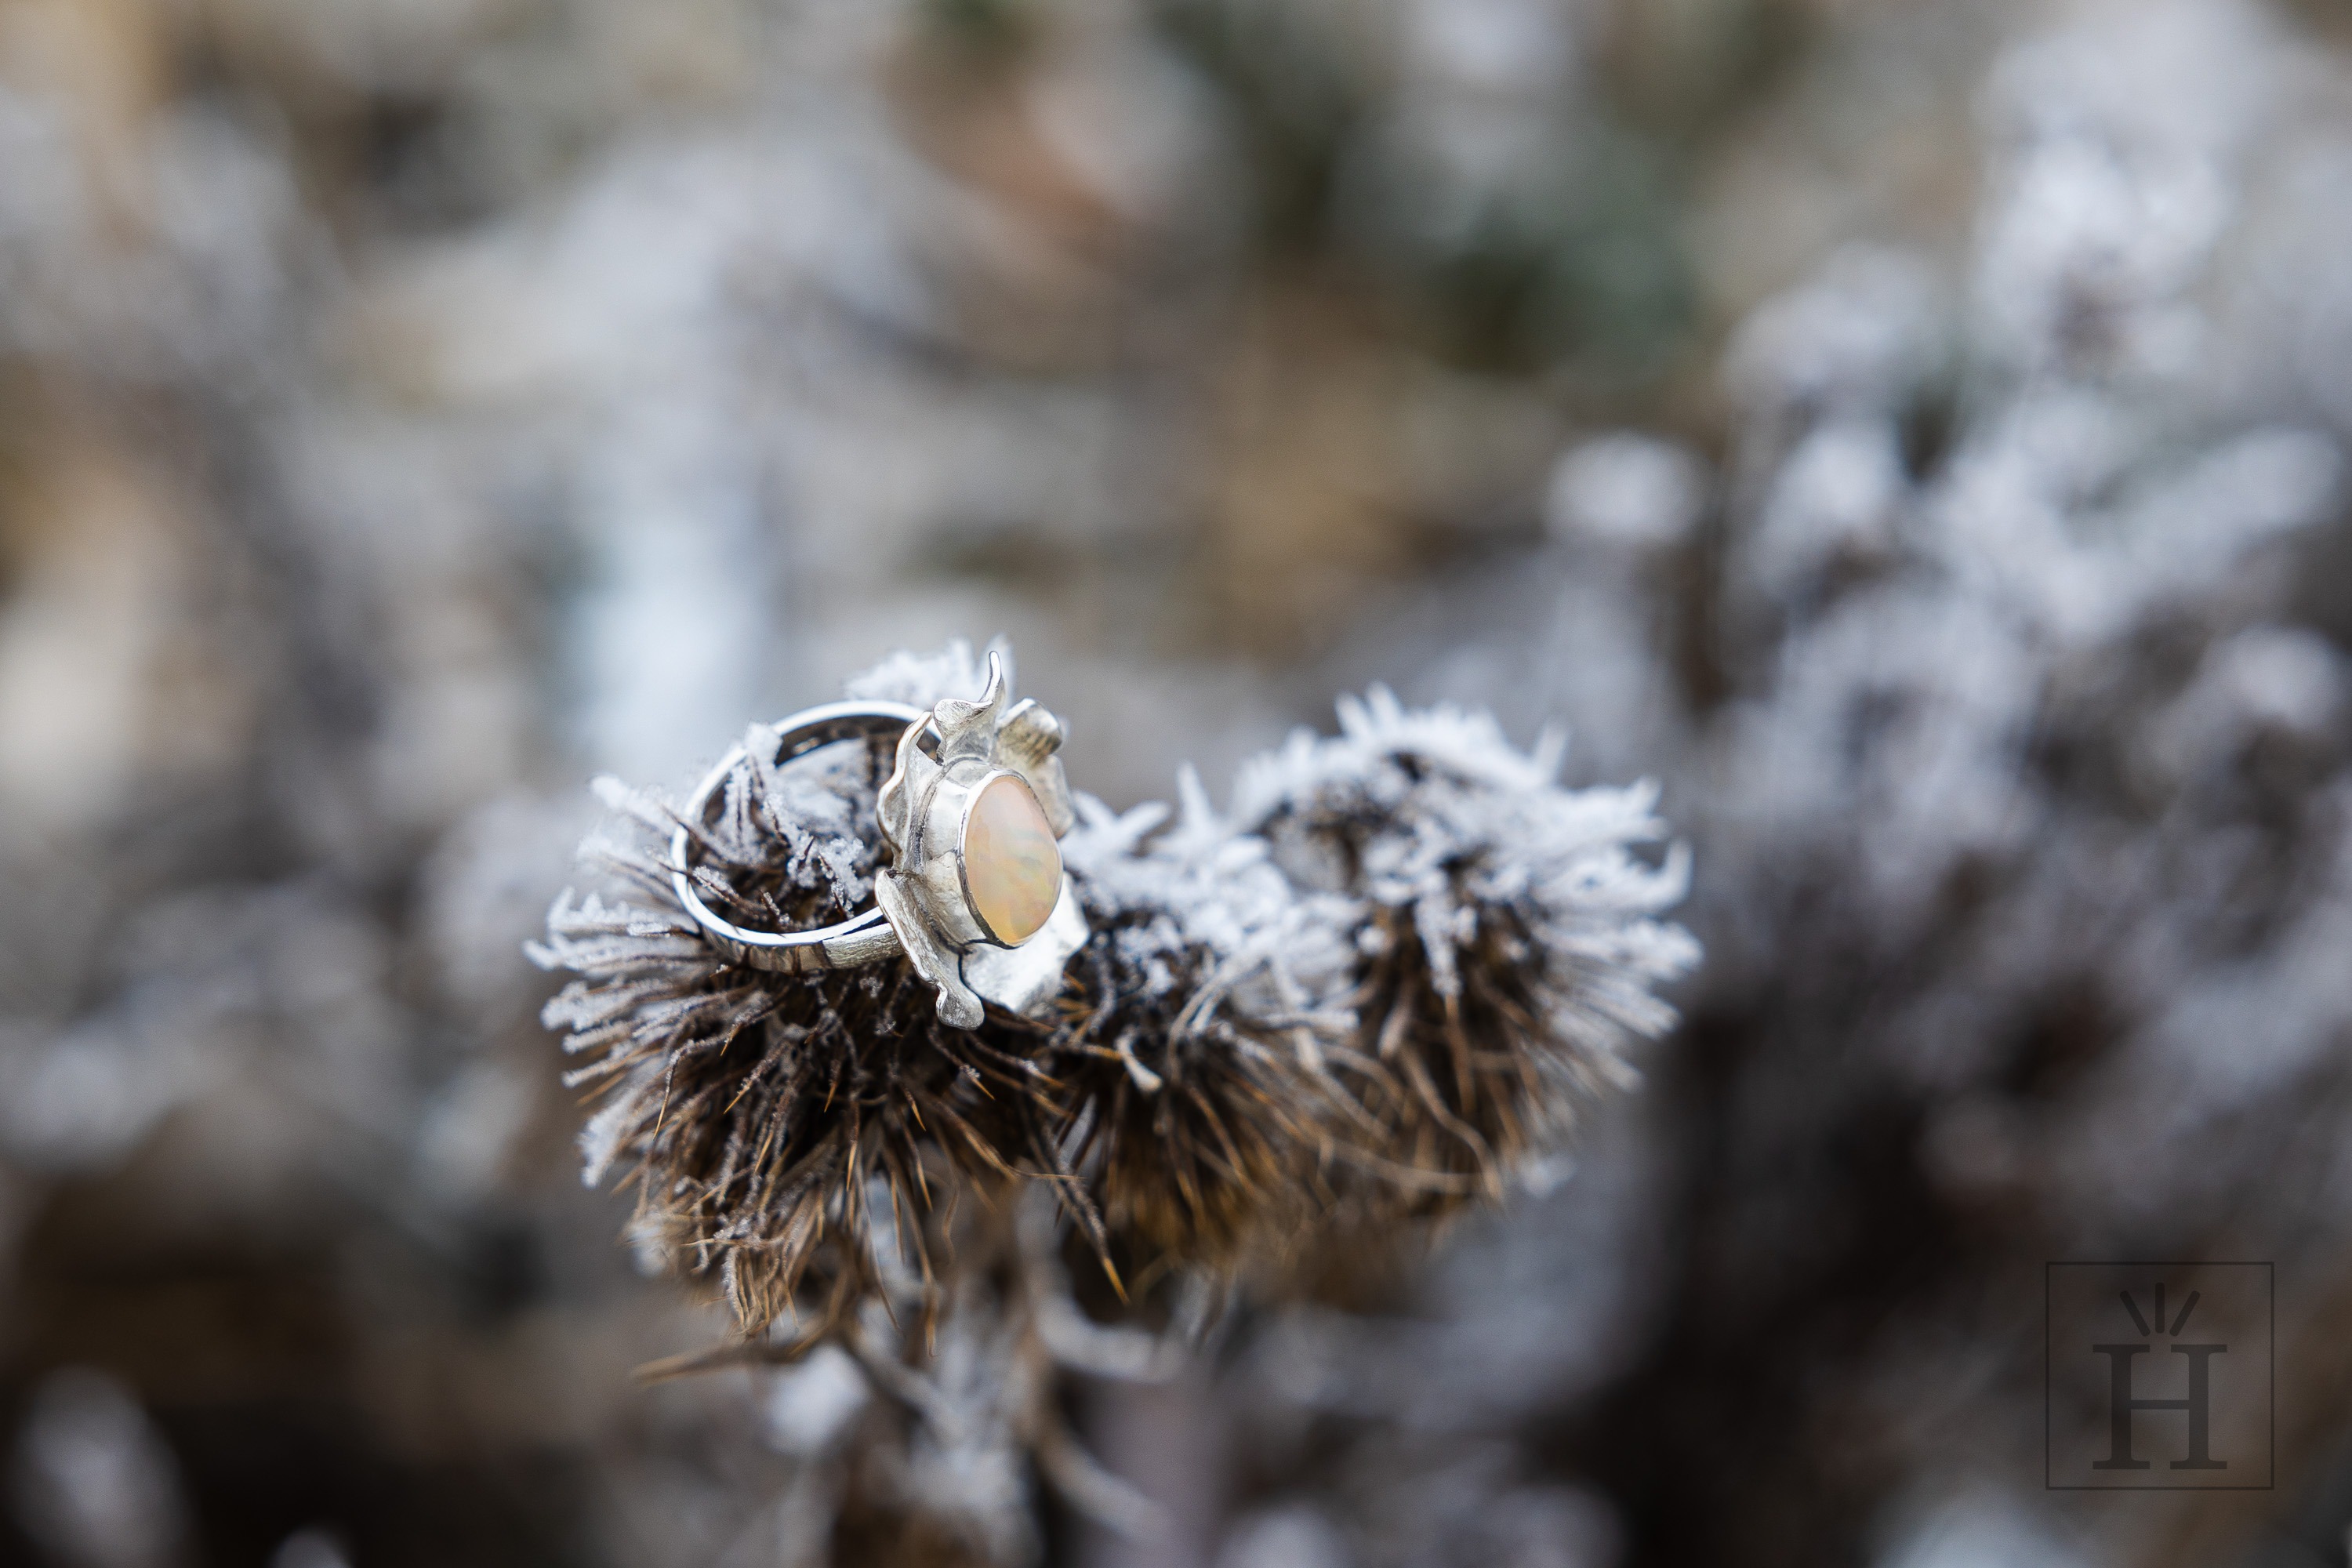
{"x": 1510, "y": 938}
{"x": 751, "y": 1106}
{"x": 1384, "y": 972}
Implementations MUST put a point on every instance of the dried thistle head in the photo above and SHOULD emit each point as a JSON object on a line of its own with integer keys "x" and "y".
{"x": 1508, "y": 946}
{"x": 798, "y": 1137}
{"x": 1192, "y": 1047}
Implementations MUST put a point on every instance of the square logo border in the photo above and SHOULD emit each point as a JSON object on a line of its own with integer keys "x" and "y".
{"x": 2270, "y": 1277}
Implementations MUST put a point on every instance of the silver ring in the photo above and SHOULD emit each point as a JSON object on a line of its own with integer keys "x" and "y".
{"x": 975, "y": 895}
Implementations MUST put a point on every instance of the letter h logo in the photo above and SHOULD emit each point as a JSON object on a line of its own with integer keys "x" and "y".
{"x": 2122, "y": 1403}
{"x": 2176, "y": 1406}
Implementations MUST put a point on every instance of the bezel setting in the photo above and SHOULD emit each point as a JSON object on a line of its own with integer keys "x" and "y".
{"x": 926, "y": 813}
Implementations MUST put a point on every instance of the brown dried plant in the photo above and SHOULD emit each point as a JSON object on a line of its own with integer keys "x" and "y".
{"x": 1362, "y": 996}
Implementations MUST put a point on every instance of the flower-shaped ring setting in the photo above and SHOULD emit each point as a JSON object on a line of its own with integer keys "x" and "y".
{"x": 975, "y": 895}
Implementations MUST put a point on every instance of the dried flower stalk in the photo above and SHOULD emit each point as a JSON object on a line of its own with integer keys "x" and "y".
{"x": 1363, "y": 996}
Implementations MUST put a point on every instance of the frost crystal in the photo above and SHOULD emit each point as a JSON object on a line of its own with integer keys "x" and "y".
{"x": 1383, "y": 974}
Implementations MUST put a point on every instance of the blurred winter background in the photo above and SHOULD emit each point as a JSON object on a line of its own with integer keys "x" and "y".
{"x": 1909, "y": 430}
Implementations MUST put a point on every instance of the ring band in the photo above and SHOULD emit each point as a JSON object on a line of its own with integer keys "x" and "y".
{"x": 975, "y": 895}
{"x": 864, "y": 938}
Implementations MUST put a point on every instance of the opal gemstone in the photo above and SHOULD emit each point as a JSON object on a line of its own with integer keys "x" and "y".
{"x": 1011, "y": 866}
